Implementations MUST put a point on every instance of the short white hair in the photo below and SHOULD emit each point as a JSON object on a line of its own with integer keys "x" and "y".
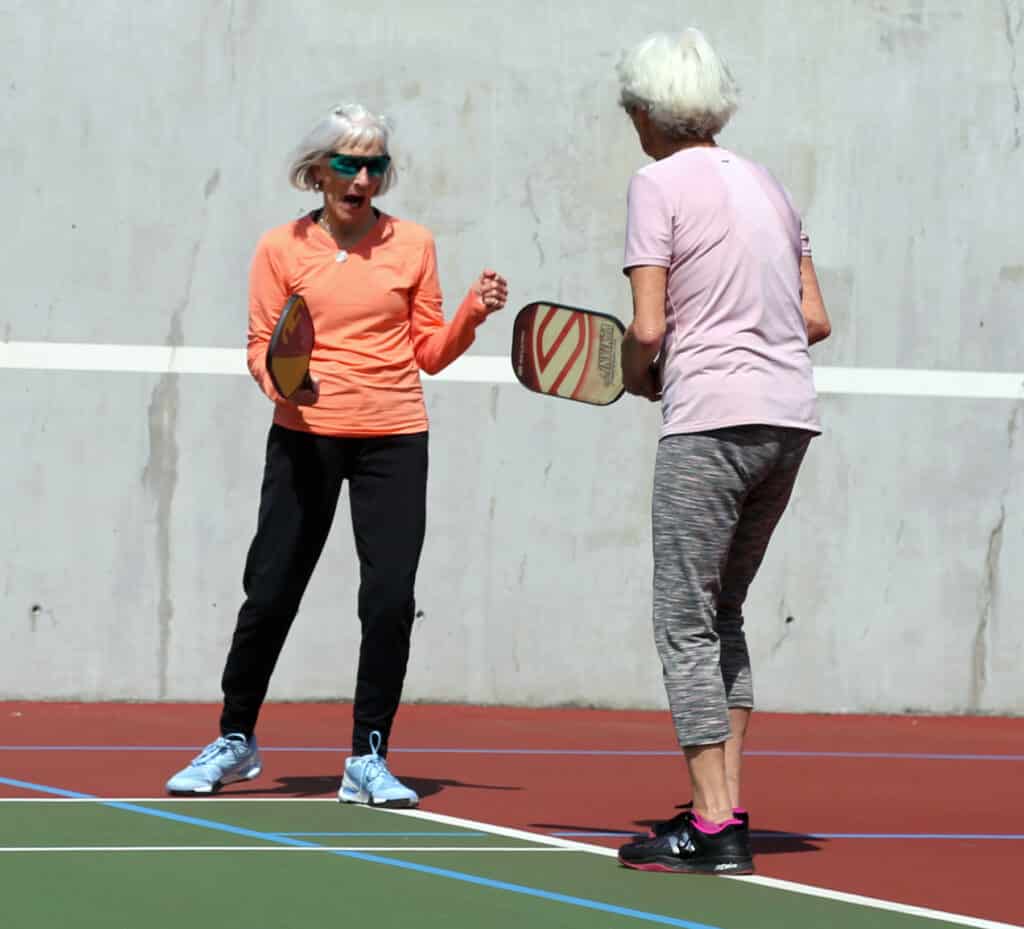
{"x": 347, "y": 125}
{"x": 681, "y": 82}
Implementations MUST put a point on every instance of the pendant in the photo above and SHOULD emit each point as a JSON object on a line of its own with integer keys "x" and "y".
{"x": 341, "y": 256}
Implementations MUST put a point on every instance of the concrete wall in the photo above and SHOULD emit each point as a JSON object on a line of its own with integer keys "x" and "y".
{"x": 141, "y": 155}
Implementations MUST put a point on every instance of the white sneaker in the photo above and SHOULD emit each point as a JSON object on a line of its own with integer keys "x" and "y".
{"x": 231, "y": 758}
{"x": 368, "y": 780}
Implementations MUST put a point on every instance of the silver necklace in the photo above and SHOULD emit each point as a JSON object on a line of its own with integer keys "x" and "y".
{"x": 326, "y": 226}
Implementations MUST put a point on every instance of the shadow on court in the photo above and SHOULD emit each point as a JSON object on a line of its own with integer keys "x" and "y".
{"x": 762, "y": 841}
{"x": 768, "y": 842}
{"x": 326, "y": 785}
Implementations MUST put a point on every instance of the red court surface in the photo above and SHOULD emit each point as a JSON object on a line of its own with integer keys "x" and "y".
{"x": 921, "y": 811}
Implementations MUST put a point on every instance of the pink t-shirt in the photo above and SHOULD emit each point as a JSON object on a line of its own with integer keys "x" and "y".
{"x": 735, "y": 348}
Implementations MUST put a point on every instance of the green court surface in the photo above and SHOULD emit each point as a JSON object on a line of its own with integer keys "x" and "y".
{"x": 314, "y": 864}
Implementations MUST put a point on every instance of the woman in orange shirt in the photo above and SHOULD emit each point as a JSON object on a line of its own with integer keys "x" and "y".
{"x": 370, "y": 282}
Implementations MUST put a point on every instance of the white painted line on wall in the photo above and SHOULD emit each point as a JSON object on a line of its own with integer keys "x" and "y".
{"x": 144, "y": 359}
{"x": 477, "y": 369}
{"x": 486, "y": 369}
{"x": 910, "y": 382}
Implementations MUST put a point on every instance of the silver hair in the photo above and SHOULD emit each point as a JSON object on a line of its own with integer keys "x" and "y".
{"x": 348, "y": 124}
{"x": 681, "y": 82}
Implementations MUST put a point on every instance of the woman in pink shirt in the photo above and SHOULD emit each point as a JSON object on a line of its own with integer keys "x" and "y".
{"x": 725, "y": 304}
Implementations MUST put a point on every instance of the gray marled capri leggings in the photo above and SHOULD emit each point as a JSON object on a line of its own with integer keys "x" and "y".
{"x": 718, "y": 496}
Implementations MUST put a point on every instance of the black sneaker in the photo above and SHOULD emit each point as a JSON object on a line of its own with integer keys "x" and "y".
{"x": 679, "y": 820}
{"x": 687, "y": 850}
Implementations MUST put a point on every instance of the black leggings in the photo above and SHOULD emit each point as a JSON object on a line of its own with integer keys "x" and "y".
{"x": 302, "y": 479}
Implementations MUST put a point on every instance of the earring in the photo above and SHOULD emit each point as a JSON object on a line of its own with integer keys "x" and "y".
{"x": 318, "y": 186}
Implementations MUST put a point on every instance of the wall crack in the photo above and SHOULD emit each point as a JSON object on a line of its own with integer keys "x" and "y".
{"x": 1013, "y": 22}
{"x": 979, "y": 656}
{"x": 160, "y": 475}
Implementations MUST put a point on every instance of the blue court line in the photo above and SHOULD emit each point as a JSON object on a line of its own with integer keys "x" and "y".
{"x": 389, "y": 835}
{"x": 613, "y": 833}
{"x": 279, "y": 839}
{"x": 981, "y": 837}
{"x": 750, "y": 753}
{"x": 896, "y": 756}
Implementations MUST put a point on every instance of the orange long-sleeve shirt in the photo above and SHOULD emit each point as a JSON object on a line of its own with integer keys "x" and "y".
{"x": 378, "y": 320}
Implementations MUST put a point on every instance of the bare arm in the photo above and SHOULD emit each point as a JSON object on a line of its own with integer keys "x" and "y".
{"x": 644, "y": 335}
{"x": 813, "y": 305}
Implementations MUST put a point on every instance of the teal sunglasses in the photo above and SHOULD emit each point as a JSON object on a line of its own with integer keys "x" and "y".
{"x": 351, "y": 165}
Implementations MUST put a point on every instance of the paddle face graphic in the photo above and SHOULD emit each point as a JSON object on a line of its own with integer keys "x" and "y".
{"x": 290, "y": 348}
{"x": 568, "y": 352}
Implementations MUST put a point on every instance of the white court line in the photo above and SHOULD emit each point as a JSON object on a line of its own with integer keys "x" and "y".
{"x": 539, "y": 839}
{"x": 275, "y": 848}
{"x": 486, "y": 369}
{"x": 774, "y": 883}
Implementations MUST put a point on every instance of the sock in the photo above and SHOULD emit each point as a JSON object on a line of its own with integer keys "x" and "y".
{"x": 710, "y": 828}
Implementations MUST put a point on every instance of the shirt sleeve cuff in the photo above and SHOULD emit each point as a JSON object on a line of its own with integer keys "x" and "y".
{"x": 644, "y": 261}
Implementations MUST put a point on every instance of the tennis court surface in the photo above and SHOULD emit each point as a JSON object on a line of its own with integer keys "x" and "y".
{"x": 856, "y": 822}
